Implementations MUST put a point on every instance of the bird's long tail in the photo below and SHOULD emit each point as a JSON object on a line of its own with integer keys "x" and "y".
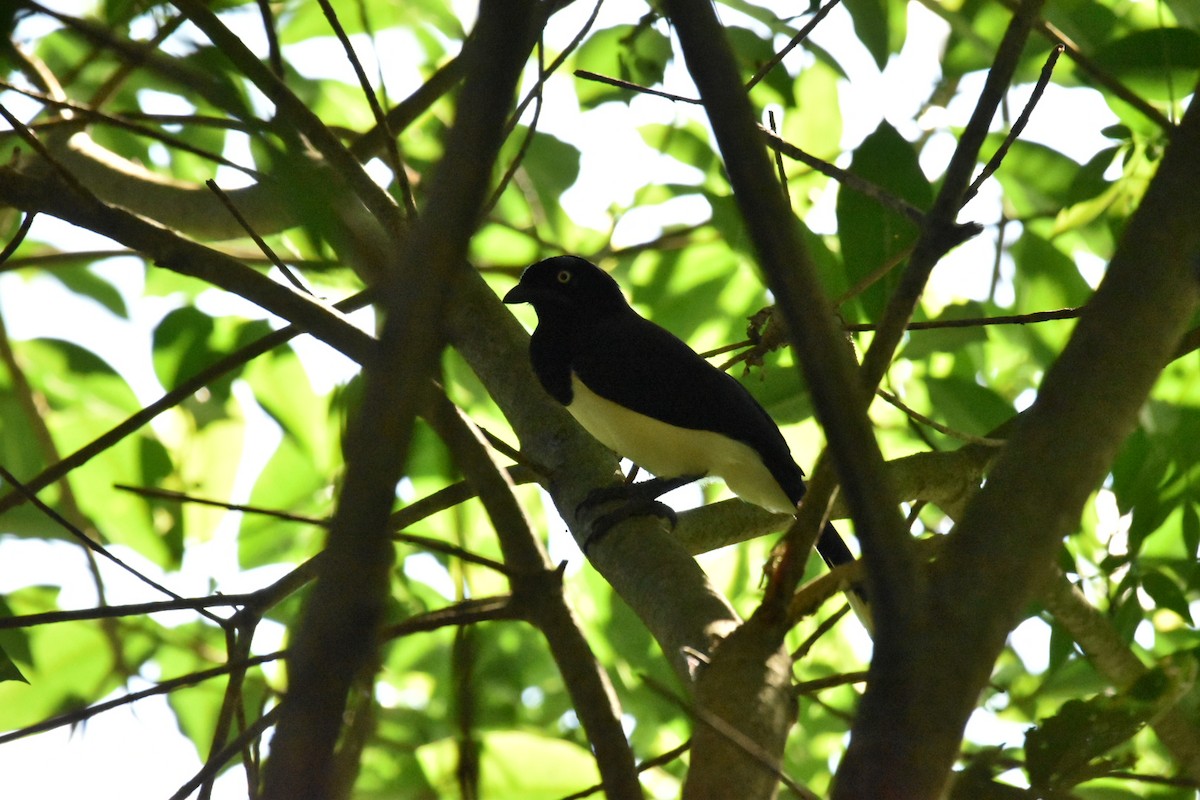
{"x": 833, "y": 549}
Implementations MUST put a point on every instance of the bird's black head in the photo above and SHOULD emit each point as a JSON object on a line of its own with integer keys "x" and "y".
{"x": 568, "y": 284}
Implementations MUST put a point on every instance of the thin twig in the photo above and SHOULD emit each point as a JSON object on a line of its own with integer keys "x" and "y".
{"x": 31, "y": 139}
{"x": 87, "y": 541}
{"x": 783, "y": 181}
{"x": 171, "y": 399}
{"x": 825, "y": 627}
{"x": 937, "y": 426}
{"x": 874, "y": 276}
{"x": 536, "y": 90}
{"x": 847, "y": 179}
{"x": 392, "y": 149}
{"x": 15, "y": 243}
{"x": 132, "y": 60}
{"x": 734, "y": 736}
{"x": 1095, "y": 72}
{"x": 800, "y": 36}
{"x": 290, "y": 108}
{"x": 217, "y": 761}
{"x": 1018, "y": 126}
{"x": 633, "y": 87}
{"x": 465, "y": 612}
{"x": 975, "y": 322}
{"x": 128, "y": 610}
{"x": 274, "y": 52}
{"x": 656, "y": 761}
{"x": 238, "y": 639}
{"x": 526, "y": 142}
{"x": 258, "y": 240}
{"x": 166, "y": 687}
{"x": 819, "y": 684}
{"x": 399, "y": 519}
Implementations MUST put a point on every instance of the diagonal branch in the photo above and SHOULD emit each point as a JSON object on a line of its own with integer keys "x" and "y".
{"x": 537, "y": 592}
{"x": 1006, "y": 544}
{"x": 841, "y": 406}
{"x": 347, "y": 603}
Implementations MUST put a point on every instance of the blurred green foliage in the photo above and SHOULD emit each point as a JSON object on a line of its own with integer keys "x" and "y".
{"x": 267, "y": 433}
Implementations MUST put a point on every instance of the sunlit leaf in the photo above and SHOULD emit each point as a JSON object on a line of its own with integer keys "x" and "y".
{"x": 871, "y": 235}
{"x": 513, "y": 764}
{"x": 635, "y": 54}
{"x": 1155, "y": 63}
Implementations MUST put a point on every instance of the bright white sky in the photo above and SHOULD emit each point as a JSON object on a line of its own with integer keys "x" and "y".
{"x": 130, "y": 753}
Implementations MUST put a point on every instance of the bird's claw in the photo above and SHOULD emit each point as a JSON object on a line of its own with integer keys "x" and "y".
{"x": 633, "y": 504}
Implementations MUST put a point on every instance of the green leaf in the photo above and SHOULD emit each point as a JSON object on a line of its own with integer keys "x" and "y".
{"x": 72, "y": 665}
{"x": 1066, "y": 748}
{"x": 871, "y": 235}
{"x": 513, "y": 764}
{"x": 1191, "y": 529}
{"x": 815, "y": 125}
{"x": 752, "y": 52}
{"x": 966, "y": 406}
{"x": 1036, "y": 179}
{"x": 83, "y": 281}
{"x": 14, "y": 642}
{"x": 1059, "y": 752}
{"x": 306, "y": 21}
{"x": 1186, "y": 12}
{"x": 1158, "y": 64}
{"x": 1086, "y": 22}
{"x": 636, "y": 54}
{"x": 553, "y": 167}
{"x": 1047, "y": 278}
{"x": 923, "y": 343}
{"x": 8, "y": 670}
{"x": 181, "y": 346}
{"x": 872, "y": 20}
{"x": 687, "y": 143}
{"x": 1166, "y": 593}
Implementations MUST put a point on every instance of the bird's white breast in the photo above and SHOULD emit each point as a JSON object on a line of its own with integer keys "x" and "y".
{"x": 670, "y": 451}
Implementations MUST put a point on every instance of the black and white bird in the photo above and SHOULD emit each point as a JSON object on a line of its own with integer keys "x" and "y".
{"x": 643, "y": 393}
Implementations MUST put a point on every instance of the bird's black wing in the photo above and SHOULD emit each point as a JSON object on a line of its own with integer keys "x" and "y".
{"x": 639, "y": 365}
{"x": 644, "y": 367}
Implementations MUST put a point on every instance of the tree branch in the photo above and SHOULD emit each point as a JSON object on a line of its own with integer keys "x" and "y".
{"x": 346, "y": 605}
{"x": 841, "y": 405}
{"x": 1006, "y": 544}
{"x": 537, "y": 592}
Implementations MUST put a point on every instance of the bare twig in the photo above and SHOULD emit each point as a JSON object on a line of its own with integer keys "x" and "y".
{"x": 166, "y": 687}
{"x": 825, "y": 627}
{"x": 15, "y": 243}
{"x": 416, "y": 512}
{"x": 217, "y": 761}
{"x": 783, "y": 181}
{"x": 169, "y": 400}
{"x": 656, "y": 761}
{"x": 129, "y": 610}
{"x": 1018, "y": 126}
{"x": 978, "y": 322}
{"x": 87, "y": 541}
{"x": 820, "y": 684}
{"x": 800, "y": 36}
{"x": 937, "y": 426}
{"x": 633, "y": 87}
{"x": 381, "y": 121}
{"x": 526, "y": 141}
{"x": 258, "y": 240}
{"x": 847, "y": 179}
{"x": 732, "y": 735}
{"x": 464, "y": 612}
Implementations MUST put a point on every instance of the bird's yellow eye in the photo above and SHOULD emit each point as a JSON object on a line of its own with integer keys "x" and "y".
{"x": 564, "y": 276}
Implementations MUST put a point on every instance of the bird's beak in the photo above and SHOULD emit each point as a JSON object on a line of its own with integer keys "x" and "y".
{"x": 518, "y": 294}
